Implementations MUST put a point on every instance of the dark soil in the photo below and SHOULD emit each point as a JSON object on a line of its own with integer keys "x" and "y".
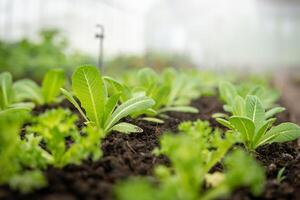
{"x": 129, "y": 155}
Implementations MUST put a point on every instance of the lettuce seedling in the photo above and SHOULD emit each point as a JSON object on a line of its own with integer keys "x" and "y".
{"x": 27, "y": 89}
{"x": 171, "y": 91}
{"x": 20, "y": 160}
{"x": 255, "y": 126}
{"x": 193, "y": 153}
{"x": 233, "y": 96}
{"x": 8, "y": 95}
{"x": 102, "y": 110}
{"x": 55, "y": 126}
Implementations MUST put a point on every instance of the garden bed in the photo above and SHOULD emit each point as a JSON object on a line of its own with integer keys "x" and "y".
{"x": 63, "y": 143}
{"x": 130, "y": 155}
{"x": 124, "y": 156}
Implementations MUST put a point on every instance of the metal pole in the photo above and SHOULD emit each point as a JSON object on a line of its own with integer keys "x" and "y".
{"x": 100, "y": 35}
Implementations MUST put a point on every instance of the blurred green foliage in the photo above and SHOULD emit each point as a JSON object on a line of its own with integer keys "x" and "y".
{"x": 26, "y": 58}
{"x": 155, "y": 60}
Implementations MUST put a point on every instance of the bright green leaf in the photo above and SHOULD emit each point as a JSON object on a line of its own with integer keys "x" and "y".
{"x": 53, "y": 81}
{"x": 88, "y": 87}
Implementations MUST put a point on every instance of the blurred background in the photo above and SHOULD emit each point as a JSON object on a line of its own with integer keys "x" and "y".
{"x": 245, "y": 35}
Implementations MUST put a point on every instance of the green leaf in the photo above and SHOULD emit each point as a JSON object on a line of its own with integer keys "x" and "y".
{"x": 153, "y": 119}
{"x": 28, "y": 181}
{"x": 110, "y": 105}
{"x": 244, "y": 125}
{"x": 256, "y": 90}
{"x": 219, "y": 115}
{"x": 238, "y": 107}
{"x": 53, "y": 81}
{"x": 274, "y": 111}
{"x": 227, "y": 92}
{"x": 116, "y": 84}
{"x": 263, "y": 129}
{"x": 177, "y": 85}
{"x": 284, "y": 132}
{"x": 26, "y": 89}
{"x": 160, "y": 95}
{"x": 70, "y": 97}
{"x": 133, "y": 105}
{"x": 255, "y": 110}
{"x": 225, "y": 123}
{"x": 25, "y": 106}
{"x": 127, "y": 128}
{"x": 243, "y": 170}
{"x": 89, "y": 89}
{"x": 187, "y": 109}
{"x": 6, "y": 90}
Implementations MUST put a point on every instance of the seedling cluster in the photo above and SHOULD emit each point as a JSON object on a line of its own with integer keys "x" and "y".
{"x": 32, "y": 141}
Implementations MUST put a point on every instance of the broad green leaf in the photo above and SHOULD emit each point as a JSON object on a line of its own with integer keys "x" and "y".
{"x": 124, "y": 127}
{"x": 53, "y": 81}
{"x": 239, "y": 106}
{"x": 113, "y": 82}
{"x": 244, "y": 125}
{"x": 133, "y": 105}
{"x": 256, "y": 91}
{"x": 88, "y": 87}
{"x": 160, "y": 95}
{"x": 225, "y": 123}
{"x": 274, "y": 111}
{"x": 6, "y": 90}
{"x": 26, "y": 89}
{"x": 187, "y": 109}
{"x": 255, "y": 110}
{"x": 175, "y": 90}
{"x": 227, "y": 92}
{"x": 70, "y": 97}
{"x": 115, "y": 85}
{"x": 147, "y": 77}
{"x": 262, "y": 130}
{"x": 284, "y": 132}
{"x": 110, "y": 105}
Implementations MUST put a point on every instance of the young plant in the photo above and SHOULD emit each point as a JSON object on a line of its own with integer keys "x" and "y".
{"x": 255, "y": 126}
{"x": 27, "y": 89}
{"x": 8, "y": 95}
{"x": 102, "y": 110}
{"x": 20, "y": 160}
{"x": 55, "y": 126}
{"x": 233, "y": 96}
{"x": 280, "y": 175}
{"x": 171, "y": 91}
{"x": 193, "y": 154}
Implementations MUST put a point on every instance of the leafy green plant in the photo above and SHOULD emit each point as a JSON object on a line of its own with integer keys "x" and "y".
{"x": 102, "y": 110}
{"x": 20, "y": 160}
{"x": 8, "y": 99}
{"x": 55, "y": 126}
{"x": 27, "y": 89}
{"x": 32, "y": 59}
{"x": 280, "y": 175}
{"x": 171, "y": 91}
{"x": 233, "y": 96}
{"x": 255, "y": 126}
{"x": 193, "y": 153}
